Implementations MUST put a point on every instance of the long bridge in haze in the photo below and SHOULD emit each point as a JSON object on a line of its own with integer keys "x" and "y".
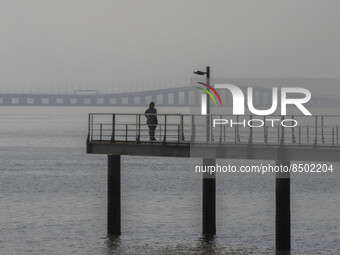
{"x": 180, "y": 96}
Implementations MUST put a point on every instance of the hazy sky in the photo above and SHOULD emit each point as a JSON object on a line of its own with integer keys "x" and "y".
{"x": 152, "y": 41}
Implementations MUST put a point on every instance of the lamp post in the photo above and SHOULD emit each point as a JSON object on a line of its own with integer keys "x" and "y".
{"x": 209, "y": 181}
{"x": 207, "y": 73}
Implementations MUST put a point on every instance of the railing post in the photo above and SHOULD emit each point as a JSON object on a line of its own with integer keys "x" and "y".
{"x": 207, "y": 128}
{"x": 126, "y": 132}
{"x": 293, "y": 134}
{"x": 282, "y": 140}
{"x": 193, "y": 129}
{"x": 160, "y": 132}
{"x": 264, "y": 130}
{"x": 178, "y": 131}
{"x": 337, "y": 134}
{"x": 89, "y": 129}
{"x": 307, "y": 134}
{"x": 182, "y": 128}
{"x": 113, "y": 128}
{"x": 220, "y": 140}
{"x": 322, "y": 134}
{"x": 250, "y": 141}
{"x": 101, "y": 132}
{"x": 138, "y": 136}
{"x": 211, "y": 129}
{"x": 238, "y": 131}
{"x": 224, "y": 135}
{"x": 136, "y": 127}
{"x": 92, "y": 127}
{"x": 299, "y": 135}
{"x": 332, "y": 136}
{"x": 316, "y": 132}
{"x": 165, "y": 127}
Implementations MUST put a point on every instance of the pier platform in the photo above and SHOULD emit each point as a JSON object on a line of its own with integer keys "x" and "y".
{"x": 315, "y": 138}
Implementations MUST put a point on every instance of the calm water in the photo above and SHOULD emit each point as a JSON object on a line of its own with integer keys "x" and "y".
{"x": 53, "y": 197}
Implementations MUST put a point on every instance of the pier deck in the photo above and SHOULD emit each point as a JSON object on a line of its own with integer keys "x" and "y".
{"x": 315, "y": 138}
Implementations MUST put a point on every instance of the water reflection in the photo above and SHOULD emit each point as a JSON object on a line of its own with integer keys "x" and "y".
{"x": 207, "y": 245}
{"x": 282, "y": 253}
{"x": 112, "y": 243}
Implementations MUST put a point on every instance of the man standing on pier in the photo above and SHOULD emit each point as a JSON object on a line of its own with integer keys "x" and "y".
{"x": 152, "y": 121}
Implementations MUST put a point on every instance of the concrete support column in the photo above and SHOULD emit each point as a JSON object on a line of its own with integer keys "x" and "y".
{"x": 22, "y": 100}
{"x": 113, "y": 195}
{"x": 165, "y": 99}
{"x": 118, "y": 100}
{"x": 176, "y": 96}
{"x": 282, "y": 219}
{"x": 186, "y": 98}
{"x": 130, "y": 100}
{"x": 52, "y": 100}
{"x": 106, "y": 100}
{"x": 38, "y": 100}
{"x": 142, "y": 100}
{"x": 7, "y": 100}
{"x": 209, "y": 199}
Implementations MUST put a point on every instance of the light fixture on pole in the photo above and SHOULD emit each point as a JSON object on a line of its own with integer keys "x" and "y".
{"x": 207, "y": 73}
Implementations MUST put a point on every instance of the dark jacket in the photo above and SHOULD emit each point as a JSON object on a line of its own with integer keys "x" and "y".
{"x": 151, "y": 119}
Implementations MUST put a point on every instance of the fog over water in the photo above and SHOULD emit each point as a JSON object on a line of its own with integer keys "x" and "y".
{"x": 53, "y": 197}
{"x": 56, "y": 45}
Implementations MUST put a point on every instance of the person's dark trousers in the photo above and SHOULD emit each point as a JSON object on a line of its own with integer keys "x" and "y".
{"x": 152, "y": 132}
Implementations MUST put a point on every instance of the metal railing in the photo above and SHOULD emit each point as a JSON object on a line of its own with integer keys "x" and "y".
{"x": 242, "y": 129}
